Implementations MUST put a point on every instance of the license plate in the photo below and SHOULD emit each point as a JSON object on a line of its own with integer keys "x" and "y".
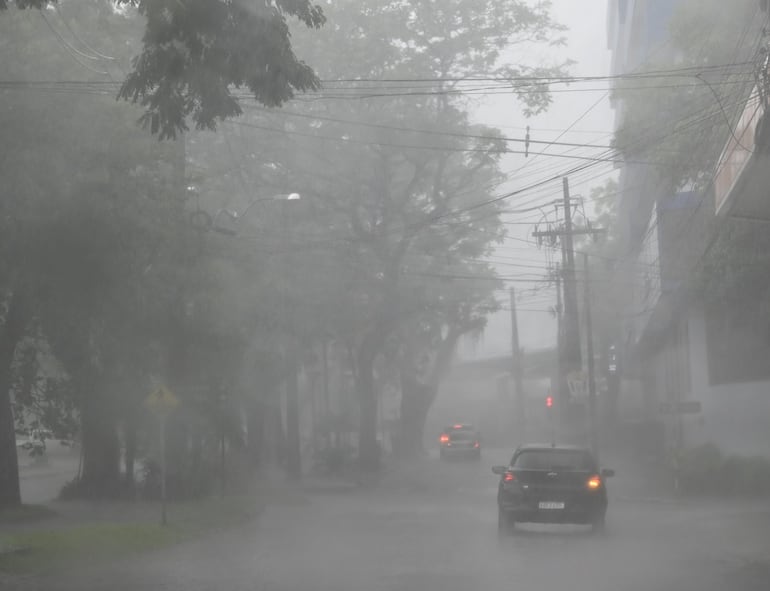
{"x": 550, "y": 505}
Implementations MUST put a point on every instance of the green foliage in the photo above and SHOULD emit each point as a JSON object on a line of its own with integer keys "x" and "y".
{"x": 704, "y": 470}
{"x": 678, "y": 125}
{"x": 126, "y": 290}
{"x": 195, "y": 52}
{"x": 100, "y": 240}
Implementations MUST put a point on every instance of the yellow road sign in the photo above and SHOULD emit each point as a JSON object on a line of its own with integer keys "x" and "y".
{"x": 161, "y": 400}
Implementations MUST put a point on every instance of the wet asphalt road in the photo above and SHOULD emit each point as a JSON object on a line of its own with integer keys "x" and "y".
{"x": 435, "y": 530}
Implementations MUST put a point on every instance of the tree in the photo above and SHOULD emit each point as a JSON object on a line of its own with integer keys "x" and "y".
{"x": 75, "y": 227}
{"x": 676, "y": 124}
{"x": 402, "y": 176}
{"x": 194, "y": 52}
{"x": 607, "y": 300}
{"x": 428, "y": 348}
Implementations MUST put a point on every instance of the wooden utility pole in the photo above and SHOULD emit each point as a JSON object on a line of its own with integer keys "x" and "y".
{"x": 516, "y": 370}
{"x": 594, "y": 426}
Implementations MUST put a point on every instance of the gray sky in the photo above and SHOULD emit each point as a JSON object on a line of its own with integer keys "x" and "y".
{"x": 519, "y": 257}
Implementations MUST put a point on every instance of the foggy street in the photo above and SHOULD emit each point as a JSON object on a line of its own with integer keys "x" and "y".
{"x": 303, "y": 295}
{"x": 435, "y": 529}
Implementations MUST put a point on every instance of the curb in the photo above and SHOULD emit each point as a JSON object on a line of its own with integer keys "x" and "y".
{"x": 648, "y": 500}
{"x": 338, "y": 487}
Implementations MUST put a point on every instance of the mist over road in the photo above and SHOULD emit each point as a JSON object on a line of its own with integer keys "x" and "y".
{"x": 432, "y": 527}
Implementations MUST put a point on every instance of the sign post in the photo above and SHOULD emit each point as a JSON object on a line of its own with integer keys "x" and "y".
{"x": 577, "y": 382}
{"x": 161, "y": 402}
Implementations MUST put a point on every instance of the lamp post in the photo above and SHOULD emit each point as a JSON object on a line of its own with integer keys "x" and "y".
{"x": 235, "y": 216}
{"x": 291, "y": 385}
{"x": 293, "y": 443}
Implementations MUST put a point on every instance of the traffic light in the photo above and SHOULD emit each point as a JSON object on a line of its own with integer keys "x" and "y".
{"x": 549, "y": 401}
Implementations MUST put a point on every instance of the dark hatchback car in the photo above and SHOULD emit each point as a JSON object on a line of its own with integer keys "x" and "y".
{"x": 460, "y": 440}
{"x": 551, "y": 484}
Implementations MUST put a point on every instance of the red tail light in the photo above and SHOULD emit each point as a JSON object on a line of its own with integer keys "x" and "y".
{"x": 594, "y": 482}
{"x": 476, "y": 444}
{"x": 444, "y": 438}
{"x": 509, "y": 477}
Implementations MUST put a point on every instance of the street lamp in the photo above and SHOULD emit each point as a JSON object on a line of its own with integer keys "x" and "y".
{"x": 291, "y": 385}
{"x": 235, "y": 216}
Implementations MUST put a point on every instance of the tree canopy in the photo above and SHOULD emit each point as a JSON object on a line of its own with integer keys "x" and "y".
{"x": 133, "y": 262}
{"x": 194, "y": 53}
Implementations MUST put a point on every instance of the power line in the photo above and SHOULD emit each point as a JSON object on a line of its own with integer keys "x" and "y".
{"x": 663, "y": 73}
{"x": 433, "y": 132}
{"x": 420, "y": 147}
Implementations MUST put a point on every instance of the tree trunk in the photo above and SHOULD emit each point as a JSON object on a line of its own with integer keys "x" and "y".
{"x": 416, "y": 400}
{"x": 368, "y": 448}
{"x": 276, "y": 435}
{"x": 10, "y": 494}
{"x": 417, "y": 397}
{"x": 293, "y": 451}
{"x": 10, "y": 335}
{"x": 256, "y": 432}
{"x": 129, "y": 430}
{"x": 101, "y": 449}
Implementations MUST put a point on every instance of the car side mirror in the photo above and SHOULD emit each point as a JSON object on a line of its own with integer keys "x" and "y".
{"x": 607, "y": 473}
{"x": 499, "y": 470}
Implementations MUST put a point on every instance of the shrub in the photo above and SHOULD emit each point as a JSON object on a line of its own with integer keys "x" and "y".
{"x": 705, "y": 470}
{"x": 698, "y": 468}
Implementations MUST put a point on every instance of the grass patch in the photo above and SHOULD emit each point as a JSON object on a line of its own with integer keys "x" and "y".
{"x": 45, "y": 550}
{"x": 25, "y": 514}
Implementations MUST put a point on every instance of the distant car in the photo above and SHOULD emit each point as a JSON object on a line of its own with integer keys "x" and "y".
{"x": 551, "y": 484}
{"x": 460, "y": 440}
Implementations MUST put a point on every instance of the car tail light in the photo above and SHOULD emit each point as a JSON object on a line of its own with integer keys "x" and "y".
{"x": 476, "y": 444}
{"x": 457, "y": 426}
{"x": 509, "y": 477}
{"x": 594, "y": 482}
{"x": 444, "y": 438}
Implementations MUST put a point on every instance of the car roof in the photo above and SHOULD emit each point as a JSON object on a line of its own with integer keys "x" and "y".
{"x": 551, "y": 446}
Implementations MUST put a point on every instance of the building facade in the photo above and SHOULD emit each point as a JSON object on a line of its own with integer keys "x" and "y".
{"x": 696, "y": 363}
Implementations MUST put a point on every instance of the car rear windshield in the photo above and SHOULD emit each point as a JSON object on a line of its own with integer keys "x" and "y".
{"x": 553, "y": 459}
{"x": 462, "y": 435}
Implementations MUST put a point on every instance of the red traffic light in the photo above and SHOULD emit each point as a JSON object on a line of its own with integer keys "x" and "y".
{"x": 549, "y": 401}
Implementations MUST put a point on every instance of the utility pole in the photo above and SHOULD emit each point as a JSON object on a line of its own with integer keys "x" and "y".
{"x": 571, "y": 321}
{"x": 557, "y": 381}
{"x": 516, "y": 370}
{"x": 569, "y": 351}
{"x": 590, "y": 354}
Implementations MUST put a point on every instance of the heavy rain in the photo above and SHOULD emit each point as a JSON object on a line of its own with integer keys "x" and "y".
{"x": 373, "y": 295}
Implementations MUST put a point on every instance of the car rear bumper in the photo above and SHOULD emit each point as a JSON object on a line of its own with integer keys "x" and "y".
{"x": 554, "y": 516}
{"x": 460, "y": 452}
{"x": 573, "y": 512}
